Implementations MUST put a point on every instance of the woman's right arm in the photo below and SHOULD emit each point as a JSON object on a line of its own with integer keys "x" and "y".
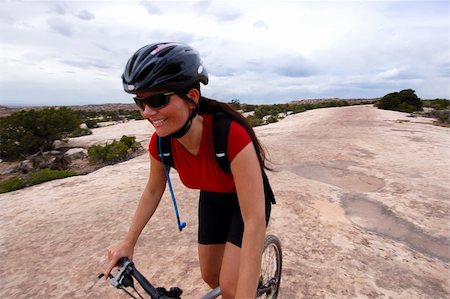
{"x": 147, "y": 205}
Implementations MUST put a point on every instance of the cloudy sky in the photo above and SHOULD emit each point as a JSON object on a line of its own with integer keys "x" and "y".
{"x": 73, "y": 52}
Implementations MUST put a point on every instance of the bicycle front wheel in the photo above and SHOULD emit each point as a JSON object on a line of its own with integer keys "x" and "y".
{"x": 271, "y": 263}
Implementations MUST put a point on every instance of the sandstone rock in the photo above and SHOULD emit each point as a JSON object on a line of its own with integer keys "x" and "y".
{"x": 26, "y": 166}
{"x": 76, "y": 153}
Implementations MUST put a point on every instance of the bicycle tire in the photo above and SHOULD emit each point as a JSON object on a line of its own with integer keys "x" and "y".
{"x": 271, "y": 266}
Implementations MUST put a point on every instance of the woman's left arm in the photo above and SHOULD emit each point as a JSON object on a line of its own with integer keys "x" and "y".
{"x": 250, "y": 190}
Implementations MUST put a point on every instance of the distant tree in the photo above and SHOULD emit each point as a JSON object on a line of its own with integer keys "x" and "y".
{"x": 404, "y": 101}
{"x": 235, "y": 103}
{"x": 29, "y": 131}
{"x": 248, "y": 107}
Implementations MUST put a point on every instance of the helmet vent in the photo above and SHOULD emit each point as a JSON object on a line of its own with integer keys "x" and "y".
{"x": 171, "y": 70}
{"x": 164, "y": 51}
{"x": 145, "y": 72}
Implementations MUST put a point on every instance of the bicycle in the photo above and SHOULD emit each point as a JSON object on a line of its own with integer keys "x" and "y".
{"x": 268, "y": 285}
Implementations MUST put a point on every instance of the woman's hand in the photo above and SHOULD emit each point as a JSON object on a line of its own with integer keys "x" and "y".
{"x": 117, "y": 251}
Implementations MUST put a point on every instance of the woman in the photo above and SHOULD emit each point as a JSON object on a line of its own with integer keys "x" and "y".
{"x": 233, "y": 213}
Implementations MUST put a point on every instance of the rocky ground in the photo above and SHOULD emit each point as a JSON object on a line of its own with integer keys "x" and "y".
{"x": 363, "y": 212}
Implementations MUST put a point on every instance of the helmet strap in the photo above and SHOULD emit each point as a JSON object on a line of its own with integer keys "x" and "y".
{"x": 187, "y": 125}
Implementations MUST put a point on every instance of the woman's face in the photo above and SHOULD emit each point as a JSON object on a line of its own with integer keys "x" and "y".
{"x": 168, "y": 119}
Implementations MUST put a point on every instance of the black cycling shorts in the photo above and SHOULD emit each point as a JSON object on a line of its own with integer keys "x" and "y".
{"x": 220, "y": 219}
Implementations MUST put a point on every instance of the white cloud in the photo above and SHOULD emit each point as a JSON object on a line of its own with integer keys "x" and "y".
{"x": 258, "y": 51}
{"x": 84, "y": 15}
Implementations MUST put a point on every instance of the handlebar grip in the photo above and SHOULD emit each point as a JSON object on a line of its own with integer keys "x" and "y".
{"x": 122, "y": 261}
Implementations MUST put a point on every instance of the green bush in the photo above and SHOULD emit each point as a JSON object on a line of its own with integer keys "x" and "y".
{"x": 29, "y": 131}
{"x": 271, "y": 119}
{"x": 438, "y": 104}
{"x": 96, "y": 153}
{"x": 254, "y": 121}
{"x": 247, "y": 107}
{"x": 128, "y": 140}
{"x": 34, "y": 178}
{"x": 91, "y": 123}
{"x": 114, "y": 152}
{"x": 135, "y": 115}
{"x": 45, "y": 175}
{"x": 78, "y": 132}
{"x": 274, "y": 110}
{"x": 403, "y": 101}
{"x": 442, "y": 116}
{"x": 297, "y": 108}
{"x": 11, "y": 184}
{"x": 109, "y": 154}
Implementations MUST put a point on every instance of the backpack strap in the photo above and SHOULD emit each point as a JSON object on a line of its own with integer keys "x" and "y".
{"x": 165, "y": 150}
{"x": 221, "y": 129}
{"x": 268, "y": 193}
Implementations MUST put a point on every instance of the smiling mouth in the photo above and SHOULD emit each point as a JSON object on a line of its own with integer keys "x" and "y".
{"x": 159, "y": 122}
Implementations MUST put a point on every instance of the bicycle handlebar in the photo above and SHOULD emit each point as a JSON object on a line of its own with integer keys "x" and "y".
{"x": 123, "y": 279}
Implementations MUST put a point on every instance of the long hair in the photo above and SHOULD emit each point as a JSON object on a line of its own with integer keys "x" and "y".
{"x": 211, "y": 106}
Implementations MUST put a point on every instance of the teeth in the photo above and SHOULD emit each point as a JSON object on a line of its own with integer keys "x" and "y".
{"x": 159, "y": 122}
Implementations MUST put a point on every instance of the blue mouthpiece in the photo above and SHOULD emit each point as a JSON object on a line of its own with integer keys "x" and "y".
{"x": 182, "y": 225}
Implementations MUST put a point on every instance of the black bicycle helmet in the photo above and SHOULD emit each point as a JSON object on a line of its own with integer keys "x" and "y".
{"x": 163, "y": 66}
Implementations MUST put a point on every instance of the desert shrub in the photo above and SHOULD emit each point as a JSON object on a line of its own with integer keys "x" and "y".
{"x": 128, "y": 140}
{"x": 33, "y": 178}
{"x": 405, "y": 107}
{"x": 254, "y": 121}
{"x": 78, "y": 132}
{"x": 45, "y": 175}
{"x": 112, "y": 115}
{"x": 91, "y": 123}
{"x": 114, "y": 152}
{"x": 109, "y": 153}
{"x": 403, "y": 101}
{"x": 274, "y": 110}
{"x": 297, "y": 108}
{"x": 11, "y": 184}
{"x": 327, "y": 104}
{"x": 438, "y": 104}
{"x": 247, "y": 107}
{"x": 271, "y": 119}
{"x": 135, "y": 114}
{"x": 442, "y": 116}
{"x": 96, "y": 153}
{"x": 29, "y": 131}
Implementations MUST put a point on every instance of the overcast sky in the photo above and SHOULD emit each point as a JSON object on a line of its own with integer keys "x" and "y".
{"x": 73, "y": 52}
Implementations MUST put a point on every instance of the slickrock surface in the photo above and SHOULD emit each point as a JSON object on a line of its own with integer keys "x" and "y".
{"x": 363, "y": 212}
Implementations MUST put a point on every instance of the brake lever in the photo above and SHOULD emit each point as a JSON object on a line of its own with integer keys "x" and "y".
{"x": 123, "y": 264}
{"x": 121, "y": 271}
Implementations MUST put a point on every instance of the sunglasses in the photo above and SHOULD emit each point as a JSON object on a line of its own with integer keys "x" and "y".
{"x": 157, "y": 101}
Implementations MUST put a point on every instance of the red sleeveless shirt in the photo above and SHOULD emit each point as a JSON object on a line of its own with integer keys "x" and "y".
{"x": 202, "y": 171}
